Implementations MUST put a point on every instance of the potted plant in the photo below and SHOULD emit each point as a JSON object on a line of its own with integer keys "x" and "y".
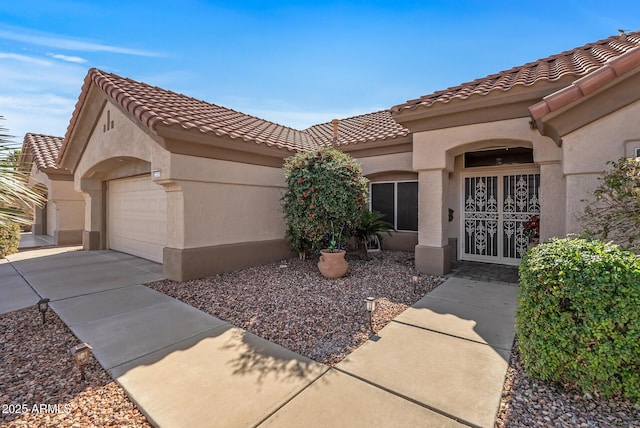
{"x": 369, "y": 230}
{"x": 332, "y": 263}
{"x": 532, "y": 229}
{"x": 324, "y": 198}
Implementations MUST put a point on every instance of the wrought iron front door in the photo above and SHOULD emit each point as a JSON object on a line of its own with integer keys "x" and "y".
{"x": 495, "y": 208}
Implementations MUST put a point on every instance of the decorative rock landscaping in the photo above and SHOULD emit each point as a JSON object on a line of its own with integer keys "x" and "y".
{"x": 288, "y": 303}
{"x": 40, "y": 384}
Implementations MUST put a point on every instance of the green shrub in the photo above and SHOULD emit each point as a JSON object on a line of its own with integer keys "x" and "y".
{"x": 613, "y": 214}
{"x": 324, "y": 198}
{"x": 9, "y": 239}
{"x": 578, "y": 316}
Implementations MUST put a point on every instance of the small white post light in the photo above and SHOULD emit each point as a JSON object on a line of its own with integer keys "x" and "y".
{"x": 43, "y": 305}
{"x": 371, "y": 306}
{"x": 81, "y": 354}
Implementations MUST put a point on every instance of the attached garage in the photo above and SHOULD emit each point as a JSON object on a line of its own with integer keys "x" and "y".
{"x": 137, "y": 217}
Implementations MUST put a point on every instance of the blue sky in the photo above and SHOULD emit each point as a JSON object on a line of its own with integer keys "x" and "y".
{"x": 294, "y": 63}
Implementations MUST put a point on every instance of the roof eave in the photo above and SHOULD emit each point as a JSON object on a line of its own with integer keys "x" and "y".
{"x": 494, "y": 106}
{"x": 193, "y": 142}
{"x": 391, "y": 145}
{"x": 68, "y": 157}
{"x": 611, "y": 87}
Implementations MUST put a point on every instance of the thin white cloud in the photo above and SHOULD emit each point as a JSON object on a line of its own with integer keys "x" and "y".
{"x": 39, "y": 113}
{"x": 66, "y": 43}
{"x": 68, "y": 58}
{"x": 24, "y": 58}
{"x": 38, "y": 94}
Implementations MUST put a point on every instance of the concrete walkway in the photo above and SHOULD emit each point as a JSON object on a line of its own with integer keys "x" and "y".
{"x": 440, "y": 363}
{"x": 30, "y": 241}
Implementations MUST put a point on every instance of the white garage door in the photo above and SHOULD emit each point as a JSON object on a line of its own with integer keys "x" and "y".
{"x": 137, "y": 217}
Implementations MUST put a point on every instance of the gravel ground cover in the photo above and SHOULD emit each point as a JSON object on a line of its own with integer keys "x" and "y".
{"x": 292, "y": 304}
{"x": 40, "y": 385}
{"x": 527, "y": 402}
{"x": 288, "y": 303}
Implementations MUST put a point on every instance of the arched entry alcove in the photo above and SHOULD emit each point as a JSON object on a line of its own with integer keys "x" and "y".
{"x": 495, "y": 190}
{"x": 127, "y": 211}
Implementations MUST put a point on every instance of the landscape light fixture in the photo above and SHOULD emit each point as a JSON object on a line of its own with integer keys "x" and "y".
{"x": 415, "y": 279}
{"x": 81, "y": 354}
{"x": 371, "y": 306}
{"x": 43, "y": 305}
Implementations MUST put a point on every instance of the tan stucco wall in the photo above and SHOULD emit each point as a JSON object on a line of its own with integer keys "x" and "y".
{"x": 586, "y": 152}
{"x": 124, "y": 140}
{"x": 64, "y": 208}
{"x": 224, "y": 202}
{"x": 374, "y": 165}
{"x": 437, "y": 149}
{"x": 210, "y": 202}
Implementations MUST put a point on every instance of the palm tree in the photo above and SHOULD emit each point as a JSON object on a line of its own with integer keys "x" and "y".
{"x": 15, "y": 194}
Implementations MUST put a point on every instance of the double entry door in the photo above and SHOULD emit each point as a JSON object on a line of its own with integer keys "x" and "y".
{"x": 495, "y": 208}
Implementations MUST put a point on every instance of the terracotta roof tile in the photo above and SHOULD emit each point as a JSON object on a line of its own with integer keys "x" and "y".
{"x": 359, "y": 129}
{"x": 154, "y": 106}
{"x": 588, "y": 84}
{"x": 577, "y": 62}
{"x": 44, "y": 149}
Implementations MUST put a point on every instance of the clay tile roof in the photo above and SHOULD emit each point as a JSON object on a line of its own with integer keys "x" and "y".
{"x": 44, "y": 149}
{"x": 359, "y": 129}
{"x": 154, "y": 106}
{"x": 588, "y": 84}
{"x": 576, "y": 62}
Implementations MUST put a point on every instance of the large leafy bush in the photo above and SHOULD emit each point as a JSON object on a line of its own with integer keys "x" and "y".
{"x": 578, "y": 316}
{"x": 614, "y": 212}
{"x": 9, "y": 239}
{"x": 325, "y": 195}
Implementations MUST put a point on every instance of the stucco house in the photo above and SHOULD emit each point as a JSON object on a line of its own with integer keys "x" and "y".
{"x": 197, "y": 186}
{"x": 530, "y": 140}
{"x": 62, "y": 216}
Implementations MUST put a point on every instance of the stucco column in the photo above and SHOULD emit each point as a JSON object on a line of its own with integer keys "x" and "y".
{"x": 552, "y": 197}
{"x": 433, "y": 255}
{"x": 93, "y": 194}
{"x": 175, "y": 213}
{"x": 39, "y": 220}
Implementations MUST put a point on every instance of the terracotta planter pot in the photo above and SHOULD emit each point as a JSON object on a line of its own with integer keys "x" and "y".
{"x": 332, "y": 265}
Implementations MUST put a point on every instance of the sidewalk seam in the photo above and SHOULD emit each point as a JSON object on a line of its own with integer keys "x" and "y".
{"x": 25, "y": 279}
{"x": 412, "y": 400}
{"x": 450, "y": 335}
{"x": 264, "y": 419}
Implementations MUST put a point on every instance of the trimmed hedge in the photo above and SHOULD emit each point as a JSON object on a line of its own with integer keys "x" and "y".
{"x": 578, "y": 316}
{"x": 9, "y": 239}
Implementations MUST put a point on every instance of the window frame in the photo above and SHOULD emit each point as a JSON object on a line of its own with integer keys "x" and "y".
{"x": 395, "y": 200}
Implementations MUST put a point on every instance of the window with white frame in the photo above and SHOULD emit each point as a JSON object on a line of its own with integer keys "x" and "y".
{"x": 398, "y": 201}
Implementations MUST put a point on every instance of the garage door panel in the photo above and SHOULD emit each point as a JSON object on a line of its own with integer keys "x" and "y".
{"x": 137, "y": 217}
